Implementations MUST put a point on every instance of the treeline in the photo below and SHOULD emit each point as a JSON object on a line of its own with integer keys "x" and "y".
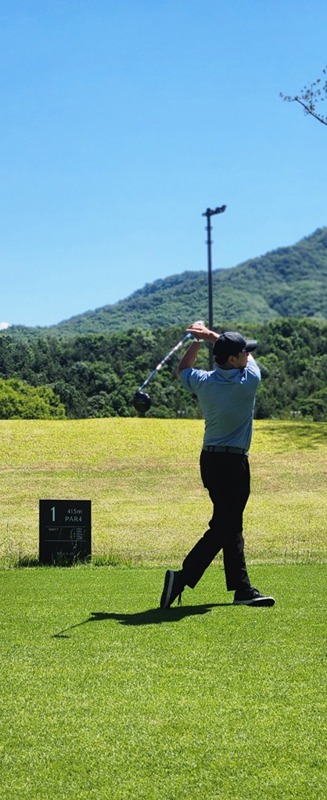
{"x": 96, "y": 375}
{"x": 19, "y": 400}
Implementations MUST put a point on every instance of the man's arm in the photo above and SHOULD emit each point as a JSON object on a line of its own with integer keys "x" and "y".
{"x": 201, "y": 333}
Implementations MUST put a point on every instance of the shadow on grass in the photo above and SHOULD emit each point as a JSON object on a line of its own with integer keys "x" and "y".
{"x": 153, "y": 616}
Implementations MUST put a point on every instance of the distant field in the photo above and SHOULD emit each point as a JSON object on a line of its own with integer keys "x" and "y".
{"x": 148, "y": 504}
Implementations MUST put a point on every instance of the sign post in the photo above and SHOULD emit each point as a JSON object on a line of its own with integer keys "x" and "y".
{"x": 64, "y": 531}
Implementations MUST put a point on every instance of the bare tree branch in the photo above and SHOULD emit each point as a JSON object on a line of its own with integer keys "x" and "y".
{"x": 310, "y": 97}
{"x": 310, "y": 111}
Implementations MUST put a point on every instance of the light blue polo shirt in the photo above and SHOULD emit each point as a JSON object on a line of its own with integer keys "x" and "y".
{"x": 227, "y": 399}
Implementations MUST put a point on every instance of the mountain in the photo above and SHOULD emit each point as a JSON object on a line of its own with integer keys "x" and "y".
{"x": 287, "y": 282}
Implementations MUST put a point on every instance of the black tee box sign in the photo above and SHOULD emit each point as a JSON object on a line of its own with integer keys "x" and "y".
{"x": 65, "y": 531}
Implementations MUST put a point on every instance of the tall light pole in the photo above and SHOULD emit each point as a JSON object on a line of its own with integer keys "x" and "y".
{"x": 210, "y": 212}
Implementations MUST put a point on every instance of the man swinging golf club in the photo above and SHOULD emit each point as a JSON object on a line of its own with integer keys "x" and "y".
{"x": 226, "y": 396}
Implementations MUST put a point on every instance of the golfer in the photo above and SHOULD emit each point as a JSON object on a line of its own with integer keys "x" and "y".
{"x": 227, "y": 397}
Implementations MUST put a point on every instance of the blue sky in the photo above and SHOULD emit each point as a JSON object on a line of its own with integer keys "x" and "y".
{"x": 123, "y": 120}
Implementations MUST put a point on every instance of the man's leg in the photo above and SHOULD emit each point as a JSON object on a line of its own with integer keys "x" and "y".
{"x": 227, "y": 478}
{"x": 233, "y": 544}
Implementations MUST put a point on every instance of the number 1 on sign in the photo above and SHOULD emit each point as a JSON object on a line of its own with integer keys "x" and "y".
{"x": 53, "y": 513}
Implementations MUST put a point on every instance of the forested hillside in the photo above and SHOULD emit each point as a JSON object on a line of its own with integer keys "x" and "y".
{"x": 97, "y": 375}
{"x": 288, "y": 282}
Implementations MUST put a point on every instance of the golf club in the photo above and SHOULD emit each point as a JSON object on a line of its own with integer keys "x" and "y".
{"x": 142, "y": 400}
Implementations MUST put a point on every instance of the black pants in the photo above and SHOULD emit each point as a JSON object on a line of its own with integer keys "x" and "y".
{"x": 227, "y": 478}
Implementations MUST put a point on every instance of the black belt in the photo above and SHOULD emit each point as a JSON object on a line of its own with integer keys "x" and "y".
{"x": 215, "y": 448}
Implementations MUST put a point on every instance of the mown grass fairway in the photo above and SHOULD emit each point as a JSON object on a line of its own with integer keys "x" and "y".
{"x": 148, "y": 505}
{"x": 103, "y": 695}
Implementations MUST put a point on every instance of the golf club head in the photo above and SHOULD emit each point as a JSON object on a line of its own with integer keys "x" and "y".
{"x": 141, "y": 401}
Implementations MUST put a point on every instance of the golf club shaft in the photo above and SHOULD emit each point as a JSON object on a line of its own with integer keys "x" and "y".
{"x": 169, "y": 355}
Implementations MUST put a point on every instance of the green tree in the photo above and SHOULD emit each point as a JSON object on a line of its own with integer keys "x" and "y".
{"x": 18, "y": 400}
{"x": 315, "y": 407}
